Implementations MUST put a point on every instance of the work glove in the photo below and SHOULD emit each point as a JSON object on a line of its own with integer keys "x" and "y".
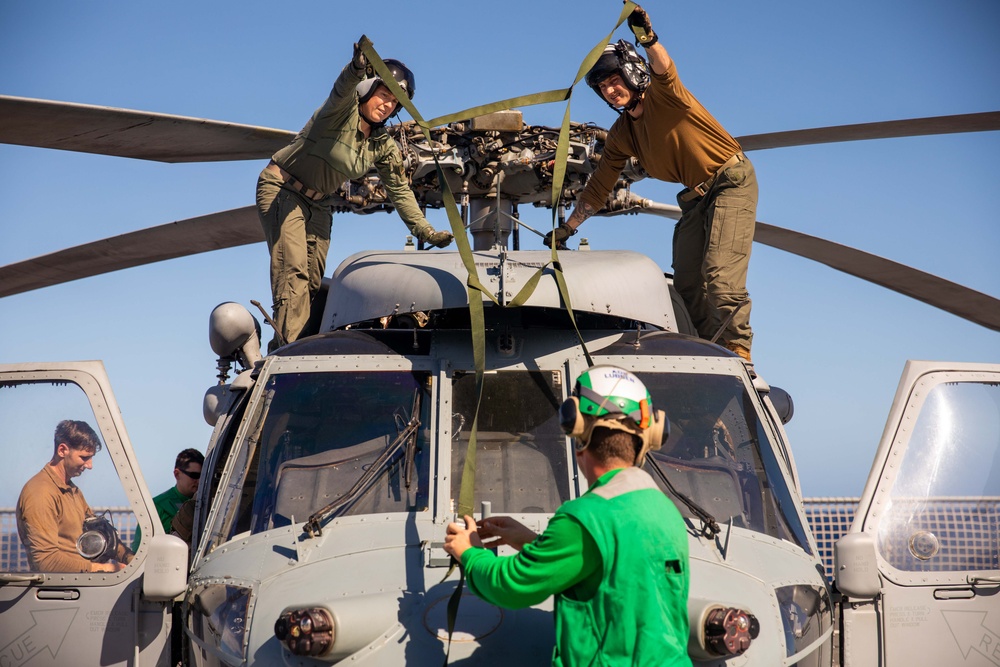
{"x": 638, "y": 22}
{"x": 560, "y": 234}
{"x": 359, "y": 61}
{"x": 436, "y": 239}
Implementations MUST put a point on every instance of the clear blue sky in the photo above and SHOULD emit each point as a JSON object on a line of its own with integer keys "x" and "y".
{"x": 836, "y": 343}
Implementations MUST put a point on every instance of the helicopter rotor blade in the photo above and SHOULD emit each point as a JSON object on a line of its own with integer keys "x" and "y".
{"x": 161, "y": 137}
{"x": 945, "y": 295}
{"x": 226, "y": 229}
{"x": 948, "y": 296}
{"x": 142, "y": 135}
{"x": 913, "y": 127}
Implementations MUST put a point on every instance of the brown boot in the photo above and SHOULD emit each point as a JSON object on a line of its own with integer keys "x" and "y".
{"x": 739, "y": 350}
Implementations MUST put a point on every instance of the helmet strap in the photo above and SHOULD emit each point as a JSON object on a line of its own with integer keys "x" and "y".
{"x": 636, "y": 99}
{"x": 370, "y": 122}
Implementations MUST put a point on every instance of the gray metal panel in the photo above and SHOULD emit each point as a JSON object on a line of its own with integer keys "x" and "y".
{"x": 620, "y": 283}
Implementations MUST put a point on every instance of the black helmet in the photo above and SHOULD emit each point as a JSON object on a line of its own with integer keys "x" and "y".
{"x": 400, "y": 72}
{"x": 620, "y": 59}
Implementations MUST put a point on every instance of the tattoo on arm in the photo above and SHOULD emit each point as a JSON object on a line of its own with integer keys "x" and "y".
{"x": 582, "y": 211}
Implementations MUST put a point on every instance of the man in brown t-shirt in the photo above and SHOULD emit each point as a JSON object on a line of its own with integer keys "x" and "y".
{"x": 676, "y": 140}
{"x": 51, "y": 508}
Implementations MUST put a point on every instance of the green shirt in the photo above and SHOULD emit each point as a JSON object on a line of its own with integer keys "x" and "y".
{"x": 563, "y": 556}
{"x": 167, "y": 505}
{"x": 621, "y": 581}
{"x": 331, "y": 149}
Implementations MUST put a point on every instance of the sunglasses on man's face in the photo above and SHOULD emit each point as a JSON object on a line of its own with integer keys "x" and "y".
{"x": 193, "y": 474}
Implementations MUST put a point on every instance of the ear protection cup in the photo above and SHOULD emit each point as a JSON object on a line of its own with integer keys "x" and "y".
{"x": 658, "y": 431}
{"x": 570, "y": 417}
{"x": 654, "y": 436}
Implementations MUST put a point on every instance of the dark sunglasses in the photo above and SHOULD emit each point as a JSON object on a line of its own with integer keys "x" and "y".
{"x": 192, "y": 475}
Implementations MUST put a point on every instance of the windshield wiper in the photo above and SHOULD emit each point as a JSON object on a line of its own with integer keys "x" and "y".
{"x": 709, "y": 526}
{"x": 408, "y": 436}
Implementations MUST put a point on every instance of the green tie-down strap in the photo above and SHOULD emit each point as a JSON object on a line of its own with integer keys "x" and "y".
{"x": 466, "y": 498}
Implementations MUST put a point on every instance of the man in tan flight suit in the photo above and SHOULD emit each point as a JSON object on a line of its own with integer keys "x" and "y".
{"x": 344, "y": 138}
{"x": 676, "y": 140}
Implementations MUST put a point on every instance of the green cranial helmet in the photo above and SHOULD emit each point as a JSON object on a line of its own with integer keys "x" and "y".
{"x": 615, "y": 399}
{"x": 609, "y": 391}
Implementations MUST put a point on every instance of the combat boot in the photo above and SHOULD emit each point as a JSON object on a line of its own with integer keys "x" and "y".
{"x": 739, "y": 350}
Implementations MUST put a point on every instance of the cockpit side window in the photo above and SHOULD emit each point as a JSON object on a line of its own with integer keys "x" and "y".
{"x": 719, "y": 455}
{"x": 945, "y": 500}
{"x": 65, "y": 508}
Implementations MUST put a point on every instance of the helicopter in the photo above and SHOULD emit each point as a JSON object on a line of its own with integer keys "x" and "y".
{"x": 221, "y": 605}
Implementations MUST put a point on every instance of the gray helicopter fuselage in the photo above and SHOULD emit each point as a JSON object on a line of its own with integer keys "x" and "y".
{"x": 299, "y": 432}
{"x": 337, "y": 462}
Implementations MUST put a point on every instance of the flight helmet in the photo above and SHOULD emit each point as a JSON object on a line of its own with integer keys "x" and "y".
{"x": 611, "y": 397}
{"x": 400, "y": 72}
{"x": 620, "y": 58}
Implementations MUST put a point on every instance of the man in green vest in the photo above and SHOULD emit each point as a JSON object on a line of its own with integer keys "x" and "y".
{"x": 616, "y": 558}
{"x": 187, "y": 473}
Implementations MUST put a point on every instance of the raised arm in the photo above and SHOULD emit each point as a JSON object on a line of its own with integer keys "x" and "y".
{"x": 638, "y": 22}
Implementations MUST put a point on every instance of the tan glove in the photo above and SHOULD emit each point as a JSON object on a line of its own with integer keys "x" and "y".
{"x": 433, "y": 238}
{"x": 560, "y": 234}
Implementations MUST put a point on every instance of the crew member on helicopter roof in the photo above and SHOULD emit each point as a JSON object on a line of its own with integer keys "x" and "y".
{"x": 344, "y": 138}
{"x": 616, "y": 558}
{"x": 677, "y": 140}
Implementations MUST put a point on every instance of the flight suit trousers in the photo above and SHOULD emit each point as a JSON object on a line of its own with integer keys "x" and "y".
{"x": 711, "y": 247}
{"x": 297, "y": 231}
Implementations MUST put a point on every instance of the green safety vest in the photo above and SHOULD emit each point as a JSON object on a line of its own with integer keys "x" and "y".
{"x": 638, "y": 616}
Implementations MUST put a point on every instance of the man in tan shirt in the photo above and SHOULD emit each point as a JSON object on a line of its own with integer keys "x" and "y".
{"x": 676, "y": 140}
{"x": 51, "y": 508}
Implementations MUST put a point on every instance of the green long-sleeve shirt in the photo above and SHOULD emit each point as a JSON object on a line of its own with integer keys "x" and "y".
{"x": 562, "y": 557}
{"x": 616, "y": 560}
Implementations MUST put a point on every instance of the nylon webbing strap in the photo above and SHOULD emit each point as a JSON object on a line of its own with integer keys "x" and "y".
{"x": 474, "y": 286}
{"x": 477, "y": 321}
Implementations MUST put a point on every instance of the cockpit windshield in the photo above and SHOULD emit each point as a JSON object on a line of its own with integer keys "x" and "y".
{"x": 327, "y": 437}
{"x": 719, "y": 455}
{"x": 522, "y": 461}
{"x": 342, "y": 440}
